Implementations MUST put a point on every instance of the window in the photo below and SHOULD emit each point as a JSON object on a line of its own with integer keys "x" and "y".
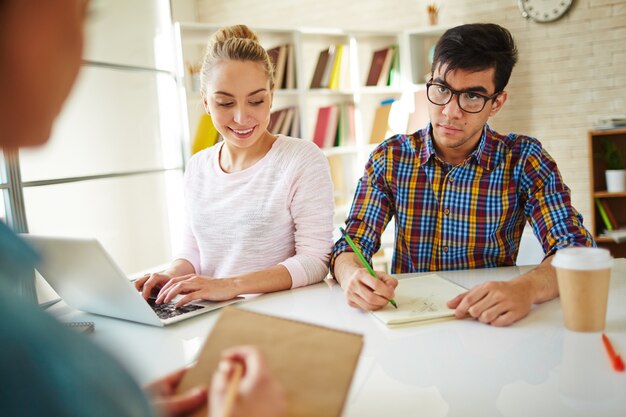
{"x": 113, "y": 166}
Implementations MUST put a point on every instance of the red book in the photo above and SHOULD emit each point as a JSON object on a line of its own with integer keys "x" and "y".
{"x": 383, "y": 79}
{"x": 326, "y": 126}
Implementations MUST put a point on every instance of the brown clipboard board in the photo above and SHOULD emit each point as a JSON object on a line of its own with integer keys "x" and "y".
{"x": 315, "y": 364}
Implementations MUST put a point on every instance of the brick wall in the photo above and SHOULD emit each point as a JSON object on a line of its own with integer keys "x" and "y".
{"x": 570, "y": 71}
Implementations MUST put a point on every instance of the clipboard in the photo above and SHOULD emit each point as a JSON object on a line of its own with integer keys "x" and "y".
{"x": 314, "y": 364}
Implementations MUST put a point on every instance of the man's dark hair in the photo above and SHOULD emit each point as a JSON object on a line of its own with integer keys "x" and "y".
{"x": 477, "y": 47}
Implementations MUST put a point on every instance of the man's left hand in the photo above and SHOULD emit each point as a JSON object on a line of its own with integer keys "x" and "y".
{"x": 494, "y": 302}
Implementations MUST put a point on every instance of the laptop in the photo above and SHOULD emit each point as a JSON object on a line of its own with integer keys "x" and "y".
{"x": 87, "y": 278}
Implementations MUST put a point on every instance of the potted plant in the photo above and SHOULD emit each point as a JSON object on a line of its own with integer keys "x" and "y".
{"x": 615, "y": 172}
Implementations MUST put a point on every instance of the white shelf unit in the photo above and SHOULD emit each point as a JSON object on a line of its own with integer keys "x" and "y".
{"x": 346, "y": 161}
{"x": 419, "y": 42}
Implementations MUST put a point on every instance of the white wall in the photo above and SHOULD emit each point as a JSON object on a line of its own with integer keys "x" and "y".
{"x": 570, "y": 71}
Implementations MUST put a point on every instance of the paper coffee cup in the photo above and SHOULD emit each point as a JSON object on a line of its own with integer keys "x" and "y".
{"x": 583, "y": 276}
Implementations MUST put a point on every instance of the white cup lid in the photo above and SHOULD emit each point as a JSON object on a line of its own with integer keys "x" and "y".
{"x": 582, "y": 259}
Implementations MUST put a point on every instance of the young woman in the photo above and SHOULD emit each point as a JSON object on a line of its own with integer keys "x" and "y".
{"x": 259, "y": 206}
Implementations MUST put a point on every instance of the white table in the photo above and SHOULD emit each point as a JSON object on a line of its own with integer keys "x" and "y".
{"x": 454, "y": 368}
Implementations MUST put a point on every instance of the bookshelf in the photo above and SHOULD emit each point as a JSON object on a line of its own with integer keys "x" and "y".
{"x": 614, "y": 201}
{"x": 346, "y": 161}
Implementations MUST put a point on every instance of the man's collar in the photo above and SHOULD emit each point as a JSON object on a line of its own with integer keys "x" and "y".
{"x": 483, "y": 155}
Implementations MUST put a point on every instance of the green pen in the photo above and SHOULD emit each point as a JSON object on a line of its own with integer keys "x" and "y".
{"x": 362, "y": 259}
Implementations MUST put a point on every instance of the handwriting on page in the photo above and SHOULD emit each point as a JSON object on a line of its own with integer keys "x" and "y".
{"x": 422, "y": 304}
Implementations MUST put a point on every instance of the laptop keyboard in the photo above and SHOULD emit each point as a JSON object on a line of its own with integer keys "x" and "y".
{"x": 168, "y": 310}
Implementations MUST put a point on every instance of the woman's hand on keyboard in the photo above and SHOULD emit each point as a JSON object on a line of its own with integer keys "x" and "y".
{"x": 197, "y": 287}
{"x": 152, "y": 281}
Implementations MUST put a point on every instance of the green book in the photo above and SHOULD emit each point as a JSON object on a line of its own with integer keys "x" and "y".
{"x": 394, "y": 71}
{"x": 605, "y": 217}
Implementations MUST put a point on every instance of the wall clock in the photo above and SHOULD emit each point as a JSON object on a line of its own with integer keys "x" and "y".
{"x": 543, "y": 11}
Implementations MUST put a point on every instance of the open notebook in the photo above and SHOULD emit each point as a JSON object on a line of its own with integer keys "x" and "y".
{"x": 419, "y": 299}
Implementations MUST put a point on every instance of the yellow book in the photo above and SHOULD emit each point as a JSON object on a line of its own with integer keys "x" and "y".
{"x": 206, "y": 134}
{"x": 333, "y": 83}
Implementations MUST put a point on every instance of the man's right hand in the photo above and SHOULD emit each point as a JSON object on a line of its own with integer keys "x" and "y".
{"x": 366, "y": 292}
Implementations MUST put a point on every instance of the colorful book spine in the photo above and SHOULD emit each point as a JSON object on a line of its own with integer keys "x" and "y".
{"x": 333, "y": 83}
{"x": 326, "y": 126}
{"x": 609, "y": 213}
{"x": 318, "y": 74}
{"x": 603, "y": 215}
{"x": 206, "y": 134}
{"x": 394, "y": 71}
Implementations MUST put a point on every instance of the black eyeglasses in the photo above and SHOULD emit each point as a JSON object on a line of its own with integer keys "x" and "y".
{"x": 469, "y": 101}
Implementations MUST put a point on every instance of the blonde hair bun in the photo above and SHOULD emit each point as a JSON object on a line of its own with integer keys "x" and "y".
{"x": 236, "y": 32}
{"x": 237, "y": 43}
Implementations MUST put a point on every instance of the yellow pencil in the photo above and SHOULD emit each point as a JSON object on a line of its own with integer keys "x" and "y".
{"x": 233, "y": 386}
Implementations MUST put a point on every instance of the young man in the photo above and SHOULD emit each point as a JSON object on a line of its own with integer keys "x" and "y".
{"x": 460, "y": 192}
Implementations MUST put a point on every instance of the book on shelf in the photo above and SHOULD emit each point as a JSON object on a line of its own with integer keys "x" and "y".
{"x": 285, "y": 129}
{"x": 295, "y": 124}
{"x": 383, "y": 79}
{"x": 345, "y": 80}
{"x": 278, "y": 56}
{"x": 326, "y": 126}
{"x": 376, "y": 66}
{"x": 314, "y": 364}
{"x": 603, "y": 215}
{"x": 394, "y": 70}
{"x": 333, "y": 82}
{"x": 380, "y": 125}
{"x": 320, "y": 67}
{"x": 276, "y": 120}
{"x": 290, "y": 70}
{"x": 378, "y": 74}
{"x": 351, "y": 134}
{"x": 345, "y": 126}
{"x": 282, "y": 121}
{"x": 609, "y": 213}
{"x": 332, "y": 50}
{"x": 337, "y": 174}
{"x": 420, "y": 299}
{"x": 206, "y": 134}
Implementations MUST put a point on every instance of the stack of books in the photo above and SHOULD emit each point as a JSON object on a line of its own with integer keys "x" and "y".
{"x": 384, "y": 68}
{"x": 335, "y": 126}
{"x": 285, "y": 122}
{"x": 332, "y": 69}
{"x": 612, "y": 227}
{"x": 283, "y": 58}
{"x": 610, "y": 122}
